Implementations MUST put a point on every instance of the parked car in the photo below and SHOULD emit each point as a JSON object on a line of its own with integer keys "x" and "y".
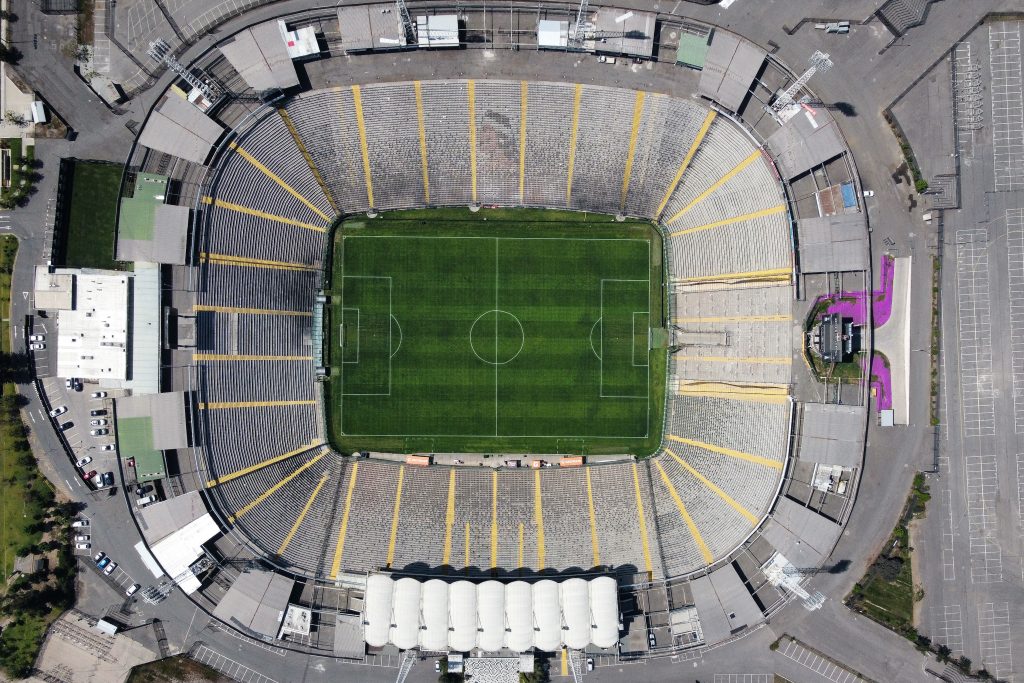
{"x": 89, "y": 475}
{"x": 107, "y": 447}
{"x": 37, "y": 346}
{"x": 99, "y": 432}
{"x": 59, "y": 410}
{"x": 132, "y": 589}
{"x": 143, "y": 502}
{"x": 82, "y": 538}
{"x": 96, "y": 413}
{"x": 109, "y": 569}
{"x": 83, "y": 546}
{"x": 36, "y": 338}
{"x": 102, "y": 562}
{"x": 98, "y": 557}
{"x": 108, "y": 478}
{"x": 80, "y": 524}
{"x": 97, "y": 480}
{"x": 142, "y": 489}
{"x": 99, "y": 394}
{"x": 131, "y": 462}
{"x": 83, "y": 462}
{"x": 102, "y": 422}
{"x": 590, "y": 663}
{"x": 66, "y": 426}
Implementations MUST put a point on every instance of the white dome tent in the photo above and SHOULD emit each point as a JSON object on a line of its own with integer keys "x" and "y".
{"x": 462, "y": 616}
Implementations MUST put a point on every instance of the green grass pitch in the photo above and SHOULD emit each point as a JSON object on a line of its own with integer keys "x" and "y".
{"x": 503, "y": 331}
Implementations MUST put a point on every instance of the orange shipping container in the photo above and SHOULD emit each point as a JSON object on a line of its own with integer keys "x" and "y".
{"x": 573, "y": 461}
{"x": 417, "y": 460}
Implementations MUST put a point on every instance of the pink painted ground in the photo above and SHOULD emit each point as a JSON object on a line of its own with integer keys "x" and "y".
{"x": 881, "y": 381}
{"x": 852, "y": 304}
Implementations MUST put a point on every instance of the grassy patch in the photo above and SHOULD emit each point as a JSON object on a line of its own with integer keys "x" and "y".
{"x": 501, "y": 331}
{"x": 92, "y": 216}
{"x": 23, "y": 173}
{"x": 887, "y": 593}
{"x": 173, "y": 669}
{"x": 936, "y": 337}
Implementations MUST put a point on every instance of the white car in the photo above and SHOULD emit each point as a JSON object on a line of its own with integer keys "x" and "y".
{"x": 132, "y": 589}
{"x": 83, "y": 462}
{"x": 99, "y": 394}
{"x": 59, "y": 410}
{"x": 98, "y": 423}
{"x": 69, "y": 383}
{"x": 99, "y": 432}
{"x": 37, "y": 346}
{"x": 83, "y": 546}
{"x": 36, "y": 338}
{"x": 81, "y": 538}
{"x": 109, "y": 569}
{"x": 80, "y": 524}
{"x": 108, "y": 447}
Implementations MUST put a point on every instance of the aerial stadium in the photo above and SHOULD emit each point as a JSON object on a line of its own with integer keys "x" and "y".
{"x": 488, "y": 365}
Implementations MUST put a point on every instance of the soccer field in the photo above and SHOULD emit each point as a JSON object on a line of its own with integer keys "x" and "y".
{"x": 532, "y": 331}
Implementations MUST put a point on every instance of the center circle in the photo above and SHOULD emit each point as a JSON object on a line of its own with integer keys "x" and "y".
{"x": 496, "y": 337}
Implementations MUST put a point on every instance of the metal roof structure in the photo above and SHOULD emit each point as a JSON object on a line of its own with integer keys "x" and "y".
{"x": 832, "y": 434}
{"x": 365, "y": 27}
{"x": 148, "y": 229}
{"x": 178, "y": 128}
{"x": 805, "y": 141}
{"x": 730, "y": 66}
{"x": 93, "y": 336}
{"x": 260, "y": 56}
{"x": 256, "y": 601}
{"x": 463, "y": 616}
{"x": 833, "y": 243}
{"x": 623, "y": 32}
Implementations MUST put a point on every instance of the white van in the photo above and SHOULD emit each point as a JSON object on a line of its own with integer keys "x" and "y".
{"x": 146, "y": 500}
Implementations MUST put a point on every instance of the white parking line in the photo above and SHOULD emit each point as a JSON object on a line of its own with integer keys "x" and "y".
{"x": 994, "y": 636}
{"x": 1007, "y": 106}
{"x": 975, "y": 332}
{"x": 948, "y": 561}
{"x": 228, "y": 667}
{"x": 816, "y": 663}
{"x": 949, "y": 628}
{"x": 982, "y": 488}
{"x": 744, "y": 678}
{"x": 1015, "y": 285}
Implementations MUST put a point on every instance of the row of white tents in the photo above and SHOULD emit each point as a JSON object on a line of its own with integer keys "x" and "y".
{"x": 462, "y": 616}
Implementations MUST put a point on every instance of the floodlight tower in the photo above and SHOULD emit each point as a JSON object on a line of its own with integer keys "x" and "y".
{"x": 819, "y": 62}
{"x": 160, "y": 51}
{"x": 407, "y": 26}
{"x": 581, "y": 16}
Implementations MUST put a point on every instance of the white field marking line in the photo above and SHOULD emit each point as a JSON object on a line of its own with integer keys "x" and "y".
{"x": 599, "y": 322}
{"x": 601, "y": 383}
{"x": 1015, "y": 285}
{"x": 994, "y": 637}
{"x": 401, "y": 336}
{"x": 358, "y": 331}
{"x": 390, "y": 316}
{"x": 496, "y": 337}
{"x": 508, "y": 239}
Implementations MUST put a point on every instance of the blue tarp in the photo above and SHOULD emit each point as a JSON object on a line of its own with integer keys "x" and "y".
{"x": 849, "y": 196}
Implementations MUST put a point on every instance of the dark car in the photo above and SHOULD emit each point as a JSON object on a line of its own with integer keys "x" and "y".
{"x": 97, "y": 413}
{"x": 108, "y": 478}
{"x": 143, "y": 489}
{"x": 89, "y": 475}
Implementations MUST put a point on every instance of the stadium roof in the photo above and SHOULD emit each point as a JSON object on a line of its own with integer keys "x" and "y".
{"x": 176, "y": 530}
{"x": 256, "y": 601}
{"x": 693, "y": 50}
{"x": 805, "y": 141}
{"x": 260, "y": 56}
{"x": 135, "y": 440}
{"x": 93, "y": 336}
{"x": 178, "y": 128}
{"x": 167, "y": 411}
{"x": 148, "y": 229}
{"x": 627, "y": 32}
{"x": 833, "y": 243}
{"x": 730, "y": 66}
{"x": 463, "y": 616}
{"x": 365, "y": 27}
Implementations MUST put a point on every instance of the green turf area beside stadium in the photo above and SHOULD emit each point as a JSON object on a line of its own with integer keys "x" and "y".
{"x": 501, "y": 331}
